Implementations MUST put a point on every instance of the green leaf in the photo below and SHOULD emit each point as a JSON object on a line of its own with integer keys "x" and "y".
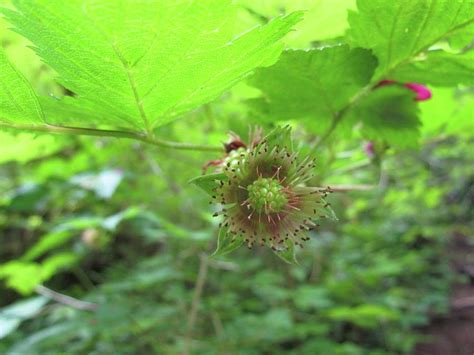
{"x": 209, "y": 182}
{"x": 57, "y": 263}
{"x": 55, "y": 334}
{"x": 140, "y": 64}
{"x": 12, "y": 315}
{"x": 18, "y": 102}
{"x": 22, "y": 276}
{"x": 389, "y": 114}
{"x": 47, "y": 243}
{"x": 449, "y": 112}
{"x": 225, "y": 244}
{"x": 312, "y": 85}
{"x": 365, "y": 315}
{"x": 399, "y": 30}
{"x": 309, "y": 297}
{"x": 24, "y": 147}
{"x": 462, "y": 38}
{"x": 439, "y": 68}
{"x": 323, "y": 20}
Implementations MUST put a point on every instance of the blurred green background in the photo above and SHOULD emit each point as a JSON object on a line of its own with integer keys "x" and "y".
{"x": 116, "y": 223}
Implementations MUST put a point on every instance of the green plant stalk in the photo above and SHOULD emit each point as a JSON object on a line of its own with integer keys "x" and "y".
{"x": 51, "y": 129}
{"x": 339, "y": 116}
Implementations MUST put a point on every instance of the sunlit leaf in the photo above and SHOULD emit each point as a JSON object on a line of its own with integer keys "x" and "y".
{"x": 142, "y": 70}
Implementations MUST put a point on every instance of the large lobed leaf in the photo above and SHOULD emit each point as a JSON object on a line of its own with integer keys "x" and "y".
{"x": 139, "y": 64}
{"x": 313, "y": 85}
{"x": 398, "y": 30}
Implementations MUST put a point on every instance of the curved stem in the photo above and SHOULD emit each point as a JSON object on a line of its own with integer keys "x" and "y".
{"x": 111, "y": 133}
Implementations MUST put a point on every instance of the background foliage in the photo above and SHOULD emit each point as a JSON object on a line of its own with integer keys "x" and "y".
{"x": 115, "y": 222}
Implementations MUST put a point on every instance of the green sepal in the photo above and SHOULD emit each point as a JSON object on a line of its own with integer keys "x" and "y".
{"x": 280, "y": 136}
{"x": 208, "y": 183}
{"x": 225, "y": 244}
{"x": 288, "y": 255}
{"x": 327, "y": 212}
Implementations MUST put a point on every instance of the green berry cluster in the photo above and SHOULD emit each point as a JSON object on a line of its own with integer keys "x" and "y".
{"x": 267, "y": 195}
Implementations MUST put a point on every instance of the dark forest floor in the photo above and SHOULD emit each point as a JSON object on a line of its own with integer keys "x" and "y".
{"x": 453, "y": 334}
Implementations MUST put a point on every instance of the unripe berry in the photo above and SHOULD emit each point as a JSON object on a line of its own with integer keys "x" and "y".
{"x": 266, "y": 194}
{"x": 265, "y": 198}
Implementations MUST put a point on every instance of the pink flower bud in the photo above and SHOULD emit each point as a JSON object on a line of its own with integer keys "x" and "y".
{"x": 422, "y": 92}
{"x": 369, "y": 149}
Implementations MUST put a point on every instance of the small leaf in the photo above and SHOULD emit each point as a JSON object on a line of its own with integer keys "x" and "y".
{"x": 46, "y": 243}
{"x": 12, "y": 315}
{"x": 22, "y": 276}
{"x": 57, "y": 263}
{"x": 225, "y": 244}
{"x": 208, "y": 182}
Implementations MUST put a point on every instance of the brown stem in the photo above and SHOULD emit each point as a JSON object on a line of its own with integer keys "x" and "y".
{"x": 66, "y": 300}
{"x": 200, "y": 281}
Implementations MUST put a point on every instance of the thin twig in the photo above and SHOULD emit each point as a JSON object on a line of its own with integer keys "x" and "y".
{"x": 463, "y": 304}
{"x": 47, "y": 128}
{"x": 66, "y": 300}
{"x": 200, "y": 281}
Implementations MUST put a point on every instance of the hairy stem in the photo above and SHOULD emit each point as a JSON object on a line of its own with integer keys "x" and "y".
{"x": 111, "y": 133}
